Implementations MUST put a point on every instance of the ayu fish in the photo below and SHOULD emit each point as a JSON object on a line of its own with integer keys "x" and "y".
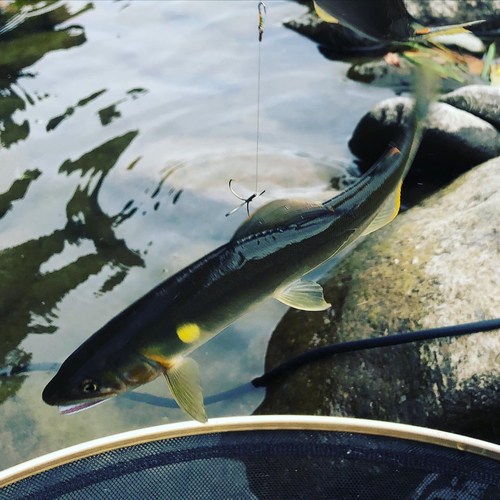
{"x": 267, "y": 256}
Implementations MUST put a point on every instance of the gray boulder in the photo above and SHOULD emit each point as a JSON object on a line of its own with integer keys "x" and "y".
{"x": 457, "y": 137}
{"x": 441, "y": 12}
{"x": 435, "y": 265}
{"x": 480, "y": 100}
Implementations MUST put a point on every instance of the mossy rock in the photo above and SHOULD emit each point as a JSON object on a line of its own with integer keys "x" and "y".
{"x": 435, "y": 265}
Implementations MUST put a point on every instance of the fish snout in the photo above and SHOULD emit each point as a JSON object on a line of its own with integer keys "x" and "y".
{"x": 49, "y": 394}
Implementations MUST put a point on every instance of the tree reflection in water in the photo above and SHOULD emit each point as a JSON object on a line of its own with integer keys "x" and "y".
{"x": 28, "y": 32}
{"x": 27, "y": 293}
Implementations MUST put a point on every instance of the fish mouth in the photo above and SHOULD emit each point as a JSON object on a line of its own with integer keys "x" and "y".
{"x": 78, "y": 407}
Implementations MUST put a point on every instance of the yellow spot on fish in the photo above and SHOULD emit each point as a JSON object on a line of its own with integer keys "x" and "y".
{"x": 188, "y": 333}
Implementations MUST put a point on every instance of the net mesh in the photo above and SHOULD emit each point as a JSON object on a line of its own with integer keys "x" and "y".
{"x": 270, "y": 465}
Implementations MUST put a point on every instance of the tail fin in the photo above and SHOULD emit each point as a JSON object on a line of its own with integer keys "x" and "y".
{"x": 408, "y": 140}
{"x": 424, "y": 83}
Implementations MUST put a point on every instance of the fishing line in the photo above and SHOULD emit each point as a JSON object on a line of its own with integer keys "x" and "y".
{"x": 246, "y": 201}
{"x": 262, "y": 20}
{"x": 294, "y": 363}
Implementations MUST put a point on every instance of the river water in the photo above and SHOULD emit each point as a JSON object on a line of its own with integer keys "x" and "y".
{"x": 120, "y": 126}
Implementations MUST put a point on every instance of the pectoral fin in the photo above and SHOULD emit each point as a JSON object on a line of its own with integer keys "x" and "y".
{"x": 305, "y": 295}
{"x": 324, "y": 15}
{"x": 387, "y": 211}
{"x": 184, "y": 382}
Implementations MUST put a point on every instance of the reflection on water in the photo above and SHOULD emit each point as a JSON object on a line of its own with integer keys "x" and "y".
{"x": 115, "y": 158}
{"x": 54, "y": 122}
{"x": 28, "y": 34}
{"x": 17, "y": 190}
{"x": 10, "y": 131}
{"x": 28, "y": 299}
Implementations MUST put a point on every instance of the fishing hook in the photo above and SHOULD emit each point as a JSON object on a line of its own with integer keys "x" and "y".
{"x": 246, "y": 201}
{"x": 262, "y": 19}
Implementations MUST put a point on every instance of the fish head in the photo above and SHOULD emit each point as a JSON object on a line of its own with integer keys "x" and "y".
{"x": 83, "y": 382}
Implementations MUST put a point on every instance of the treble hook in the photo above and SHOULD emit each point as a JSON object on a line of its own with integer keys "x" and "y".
{"x": 262, "y": 19}
{"x": 246, "y": 201}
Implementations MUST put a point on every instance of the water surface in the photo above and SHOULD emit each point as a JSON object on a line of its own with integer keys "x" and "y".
{"x": 120, "y": 126}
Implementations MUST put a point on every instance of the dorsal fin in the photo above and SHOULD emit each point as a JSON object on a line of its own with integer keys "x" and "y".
{"x": 279, "y": 213}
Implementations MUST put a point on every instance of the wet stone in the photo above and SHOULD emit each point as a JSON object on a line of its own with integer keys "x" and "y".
{"x": 480, "y": 100}
{"x": 435, "y": 265}
{"x": 455, "y": 140}
{"x": 334, "y": 36}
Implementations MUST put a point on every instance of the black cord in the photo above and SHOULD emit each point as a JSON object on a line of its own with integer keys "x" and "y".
{"x": 361, "y": 345}
{"x": 298, "y": 361}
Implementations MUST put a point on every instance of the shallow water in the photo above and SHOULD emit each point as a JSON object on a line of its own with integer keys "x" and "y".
{"x": 118, "y": 139}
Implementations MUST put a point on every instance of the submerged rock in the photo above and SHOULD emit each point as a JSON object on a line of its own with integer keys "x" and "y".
{"x": 334, "y": 36}
{"x": 460, "y": 131}
{"x": 435, "y": 265}
{"x": 380, "y": 73}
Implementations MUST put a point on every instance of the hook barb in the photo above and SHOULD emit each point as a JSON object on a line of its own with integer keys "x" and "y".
{"x": 245, "y": 201}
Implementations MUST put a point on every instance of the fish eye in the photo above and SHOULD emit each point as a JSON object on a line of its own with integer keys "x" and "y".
{"x": 89, "y": 386}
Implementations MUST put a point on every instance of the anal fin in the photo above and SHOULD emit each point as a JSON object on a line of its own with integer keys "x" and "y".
{"x": 387, "y": 211}
{"x": 305, "y": 295}
{"x": 184, "y": 382}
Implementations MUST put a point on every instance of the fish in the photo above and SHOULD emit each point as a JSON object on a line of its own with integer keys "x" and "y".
{"x": 267, "y": 257}
{"x": 385, "y": 21}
